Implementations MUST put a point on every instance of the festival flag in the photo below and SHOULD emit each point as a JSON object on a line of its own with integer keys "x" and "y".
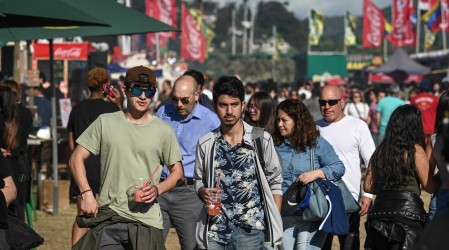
{"x": 433, "y": 17}
{"x": 426, "y": 4}
{"x": 429, "y": 39}
{"x": 404, "y": 23}
{"x": 410, "y": 39}
{"x": 316, "y": 26}
{"x": 388, "y": 28}
{"x": 164, "y": 11}
{"x": 193, "y": 43}
{"x": 351, "y": 26}
{"x": 373, "y": 25}
{"x": 277, "y": 51}
{"x": 208, "y": 33}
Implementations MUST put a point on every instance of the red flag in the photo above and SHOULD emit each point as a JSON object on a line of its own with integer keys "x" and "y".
{"x": 403, "y": 23}
{"x": 373, "y": 25}
{"x": 164, "y": 11}
{"x": 193, "y": 43}
{"x": 444, "y": 15}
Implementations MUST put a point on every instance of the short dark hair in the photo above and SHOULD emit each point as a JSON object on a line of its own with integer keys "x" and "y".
{"x": 168, "y": 82}
{"x": 198, "y": 76}
{"x": 228, "y": 85}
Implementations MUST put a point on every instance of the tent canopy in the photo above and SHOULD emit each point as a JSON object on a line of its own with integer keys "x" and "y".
{"x": 33, "y": 13}
{"x": 400, "y": 62}
{"x": 122, "y": 21}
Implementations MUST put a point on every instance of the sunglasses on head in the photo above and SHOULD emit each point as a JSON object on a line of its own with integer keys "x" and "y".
{"x": 137, "y": 91}
{"x": 184, "y": 100}
{"x": 330, "y": 102}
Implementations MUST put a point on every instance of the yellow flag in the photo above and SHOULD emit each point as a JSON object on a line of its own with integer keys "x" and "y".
{"x": 316, "y": 26}
{"x": 351, "y": 26}
{"x": 430, "y": 39}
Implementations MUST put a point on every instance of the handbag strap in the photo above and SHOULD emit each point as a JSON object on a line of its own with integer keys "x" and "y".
{"x": 312, "y": 158}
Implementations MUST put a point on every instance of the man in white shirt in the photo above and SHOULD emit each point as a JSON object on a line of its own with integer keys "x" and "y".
{"x": 351, "y": 139}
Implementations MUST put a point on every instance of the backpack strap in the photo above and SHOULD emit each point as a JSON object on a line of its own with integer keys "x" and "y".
{"x": 257, "y": 136}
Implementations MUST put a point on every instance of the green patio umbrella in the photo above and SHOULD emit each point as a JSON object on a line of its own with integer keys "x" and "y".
{"x": 122, "y": 21}
{"x": 33, "y": 13}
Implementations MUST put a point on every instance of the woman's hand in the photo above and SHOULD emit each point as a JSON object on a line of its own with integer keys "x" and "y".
{"x": 310, "y": 176}
{"x": 5, "y": 152}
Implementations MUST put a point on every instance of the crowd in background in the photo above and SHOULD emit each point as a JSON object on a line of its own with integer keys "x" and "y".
{"x": 406, "y": 124}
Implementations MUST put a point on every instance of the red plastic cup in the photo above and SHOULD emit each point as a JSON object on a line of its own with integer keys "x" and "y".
{"x": 213, "y": 208}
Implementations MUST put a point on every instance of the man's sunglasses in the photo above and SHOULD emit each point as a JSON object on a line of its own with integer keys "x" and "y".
{"x": 330, "y": 102}
{"x": 184, "y": 100}
{"x": 137, "y": 91}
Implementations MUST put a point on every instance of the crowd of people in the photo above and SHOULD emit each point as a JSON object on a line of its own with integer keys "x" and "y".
{"x": 145, "y": 159}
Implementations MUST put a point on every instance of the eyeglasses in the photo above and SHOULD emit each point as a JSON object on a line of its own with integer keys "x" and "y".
{"x": 184, "y": 100}
{"x": 356, "y": 96}
{"x": 252, "y": 107}
{"x": 331, "y": 102}
{"x": 137, "y": 91}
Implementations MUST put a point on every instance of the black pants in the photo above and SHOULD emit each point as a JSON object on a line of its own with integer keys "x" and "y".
{"x": 350, "y": 241}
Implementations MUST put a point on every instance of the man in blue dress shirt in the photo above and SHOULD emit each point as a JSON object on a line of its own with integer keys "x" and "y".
{"x": 190, "y": 120}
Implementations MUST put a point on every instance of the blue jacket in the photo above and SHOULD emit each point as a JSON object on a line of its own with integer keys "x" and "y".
{"x": 295, "y": 162}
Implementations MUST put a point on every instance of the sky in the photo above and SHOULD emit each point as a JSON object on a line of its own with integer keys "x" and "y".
{"x": 328, "y": 7}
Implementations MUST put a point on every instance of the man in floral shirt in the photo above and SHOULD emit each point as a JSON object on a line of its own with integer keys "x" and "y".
{"x": 252, "y": 194}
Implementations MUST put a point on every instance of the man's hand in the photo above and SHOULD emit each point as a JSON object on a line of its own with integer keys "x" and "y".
{"x": 150, "y": 193}
{"x": 89, "y": 205}
{"x": 207, "y": 194}
{"x": 115, "y": 98}
{"x": 365, "y": 204}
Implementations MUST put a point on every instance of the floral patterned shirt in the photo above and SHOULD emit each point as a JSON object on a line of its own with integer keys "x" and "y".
{"x": 241, "y": 202}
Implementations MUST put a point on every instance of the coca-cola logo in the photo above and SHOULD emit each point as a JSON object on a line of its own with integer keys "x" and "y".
{"x": 72, "y": 52}
{"x": 194, "y": 38}
{"x": 165, "y": 8}
{"x": 399, "y": 27}
{"x": 375, "y": 20}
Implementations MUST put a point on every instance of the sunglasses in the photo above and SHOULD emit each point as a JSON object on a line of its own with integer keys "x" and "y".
{"x": 137, "y": 91}
{"x": 330, "y": 102}
{"x": 184, "y": 100}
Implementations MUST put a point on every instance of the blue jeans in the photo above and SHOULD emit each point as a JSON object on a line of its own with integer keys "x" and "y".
{"x": 240, "y": 239}
{"x": 439, "y": 204}
{"x": 301, "y": 235}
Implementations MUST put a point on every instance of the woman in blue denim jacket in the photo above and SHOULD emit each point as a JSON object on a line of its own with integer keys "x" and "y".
{"x": 295, "y": 135}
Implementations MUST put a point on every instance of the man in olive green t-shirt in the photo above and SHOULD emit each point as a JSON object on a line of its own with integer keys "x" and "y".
{"x": 131, "y": 143}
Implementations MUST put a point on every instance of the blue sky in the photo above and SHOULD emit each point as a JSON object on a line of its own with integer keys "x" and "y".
{"x": 328, "y": 7}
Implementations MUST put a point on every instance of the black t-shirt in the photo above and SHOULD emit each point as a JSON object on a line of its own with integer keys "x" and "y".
{"x": 82, "y": 115}
{"x": 86, "y": 112}
{"x": 5, "y": 169}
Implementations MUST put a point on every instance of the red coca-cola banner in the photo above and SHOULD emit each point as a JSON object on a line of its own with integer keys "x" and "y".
{"x": 164, "y": 11}
{"x": 444, "y": 15}
{"x": 382, "y": 78}
{"x": 373, "y": 25}
{"x": 193, "y": 43}
{"x": 61, "y": 51}
{"x": 403, "y": 33}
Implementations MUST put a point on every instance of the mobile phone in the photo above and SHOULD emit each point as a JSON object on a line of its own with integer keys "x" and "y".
{"x": 107, "y": 90}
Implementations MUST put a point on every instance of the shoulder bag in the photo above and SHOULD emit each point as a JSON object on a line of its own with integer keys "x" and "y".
{"x": 318, "y": 206}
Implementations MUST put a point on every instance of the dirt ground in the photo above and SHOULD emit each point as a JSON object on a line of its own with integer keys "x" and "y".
{"x": 56, "y": 229}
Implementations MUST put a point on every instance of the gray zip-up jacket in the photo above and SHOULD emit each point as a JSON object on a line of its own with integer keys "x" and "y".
{"x": 271, "y": 183}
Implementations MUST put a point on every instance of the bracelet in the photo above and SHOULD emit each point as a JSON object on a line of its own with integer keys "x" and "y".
{"x": 85, "y": 191}
{"x": 157, "y": 190}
